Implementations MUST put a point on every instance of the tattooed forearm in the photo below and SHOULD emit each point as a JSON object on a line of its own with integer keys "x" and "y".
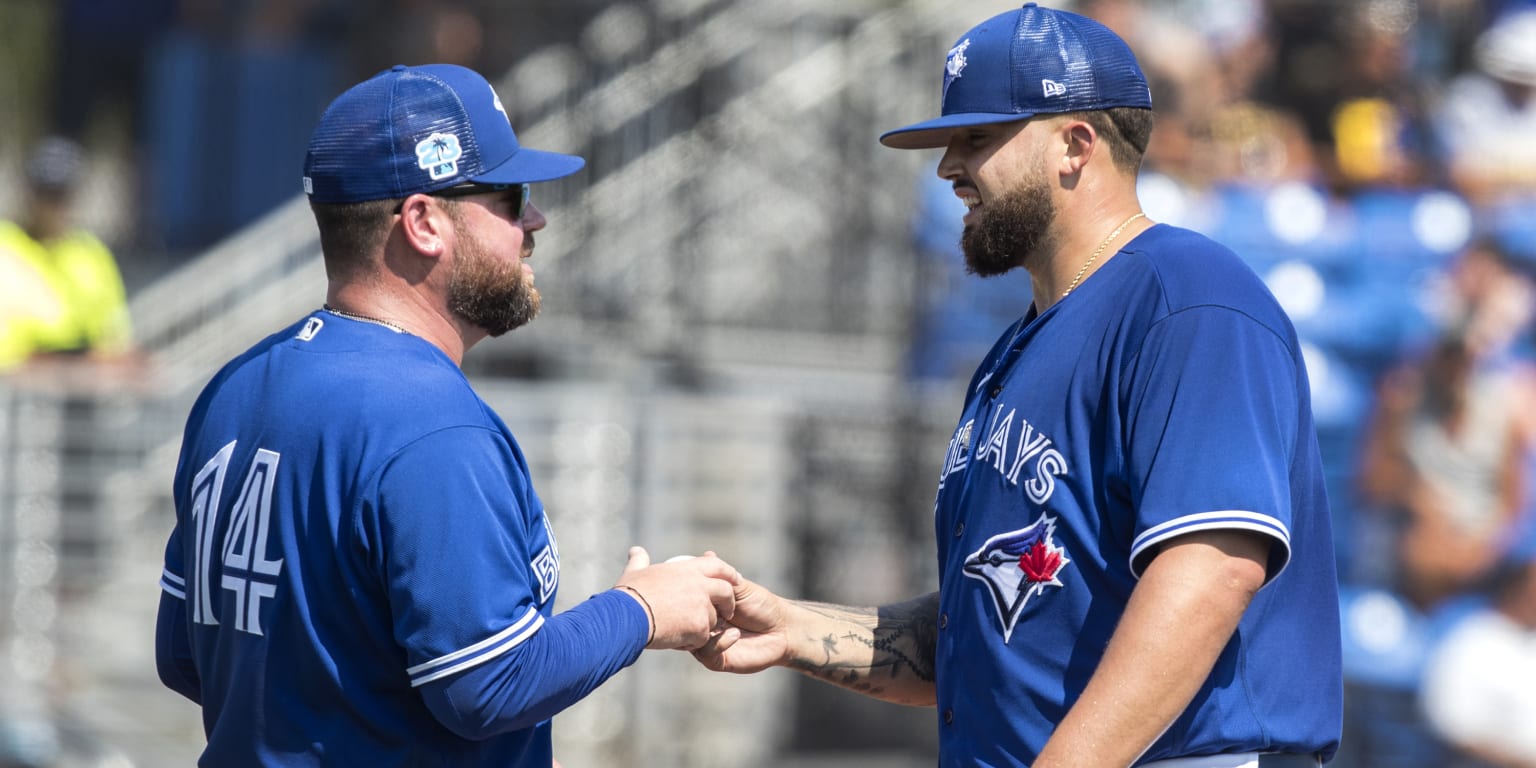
{"x": 884, "y": 652}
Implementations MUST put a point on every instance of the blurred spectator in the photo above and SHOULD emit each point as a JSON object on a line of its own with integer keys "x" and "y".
{"x": 1477, "y": 690}
{"x": 1379, "y": 131}
{"x": 1346, "y": 72}
{"x": 1308, "y": 63}
{"x": 1254, "y": 143}
{"x": 1446, "y": 452}
{"x": 1203, "y": 58}
{"x": 1487, "y": 118}
{"x": 68, "y": 296}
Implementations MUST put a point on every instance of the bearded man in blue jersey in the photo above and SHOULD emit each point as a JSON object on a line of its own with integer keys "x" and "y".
{"x": 1135, "y": 560}
{"x": 361, "y": 573}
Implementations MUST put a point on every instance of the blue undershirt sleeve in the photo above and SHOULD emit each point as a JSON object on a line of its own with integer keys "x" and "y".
{"x": 571, "y": 655}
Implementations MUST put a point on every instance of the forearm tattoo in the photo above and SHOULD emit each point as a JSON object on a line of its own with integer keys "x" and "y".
{"x": 875, "y": 651}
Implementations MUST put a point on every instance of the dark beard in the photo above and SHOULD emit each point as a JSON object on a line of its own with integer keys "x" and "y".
{"x": 490, "y": 294}
{"x": 1010, "y": 229}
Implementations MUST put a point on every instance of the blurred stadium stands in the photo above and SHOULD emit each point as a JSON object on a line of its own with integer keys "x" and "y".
{"x": 755, "y": 323}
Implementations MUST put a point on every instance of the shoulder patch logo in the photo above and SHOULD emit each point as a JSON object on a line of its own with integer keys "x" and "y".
{"x": 311, "y": 329}
{"x": 439, "y": 155}
{"x": 1017, "y": 566}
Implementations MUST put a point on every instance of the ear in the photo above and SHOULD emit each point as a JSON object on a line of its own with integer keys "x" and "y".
{"x": 1081, "y": 141}
{"x": 425, "y": 224}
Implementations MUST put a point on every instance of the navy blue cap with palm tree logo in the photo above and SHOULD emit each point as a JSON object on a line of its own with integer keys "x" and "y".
{"x": 420, "y": 129}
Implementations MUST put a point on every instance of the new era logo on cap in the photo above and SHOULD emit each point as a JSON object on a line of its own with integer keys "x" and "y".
{"x": 1028, "y": 62}
{"x": 419, "y": 129}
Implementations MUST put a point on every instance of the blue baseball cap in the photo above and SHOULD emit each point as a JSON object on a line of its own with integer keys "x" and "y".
{"x": 1032, "y": 61}
{"x": 419, "y": 129}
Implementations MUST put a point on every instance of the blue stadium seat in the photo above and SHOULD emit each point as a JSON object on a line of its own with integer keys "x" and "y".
{"x": 1386, "y": 639}
{"x": 1385, "y": 642}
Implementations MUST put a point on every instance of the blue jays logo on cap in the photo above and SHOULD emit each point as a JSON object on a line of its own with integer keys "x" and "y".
{"x": 1017, "y": 566}
{"x": 1028, "y": 62}
{"x": 420, "y": 129}
{"x": 955, "y": 63}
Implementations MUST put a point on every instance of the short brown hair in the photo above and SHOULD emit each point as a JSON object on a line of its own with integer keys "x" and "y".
{"x": 351, "y": 233}
{"x": 1126, "y": 130}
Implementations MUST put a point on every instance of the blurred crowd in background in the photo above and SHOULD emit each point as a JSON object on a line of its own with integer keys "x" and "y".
{"x": 1374, "y": 160}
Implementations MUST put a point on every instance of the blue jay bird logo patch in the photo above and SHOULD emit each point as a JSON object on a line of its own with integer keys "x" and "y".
{"x": 955, "y": 62}
{"x": 439, "y": 155}
{"x": 1017, "y": 566}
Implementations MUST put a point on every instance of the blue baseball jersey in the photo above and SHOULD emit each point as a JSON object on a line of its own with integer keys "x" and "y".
{"x": 356, "y": 533}
{"x": 1165, "y": 395}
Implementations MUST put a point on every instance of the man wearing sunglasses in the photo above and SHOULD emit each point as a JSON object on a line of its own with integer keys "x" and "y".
{"x": 361, "y": 572}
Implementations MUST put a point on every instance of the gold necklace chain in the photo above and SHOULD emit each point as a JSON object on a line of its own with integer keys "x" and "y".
{"x": 1099, "y": 250}
{"x": 363, "y": 318}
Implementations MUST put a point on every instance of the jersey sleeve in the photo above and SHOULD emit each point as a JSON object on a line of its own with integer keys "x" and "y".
{"x": 455, "y": 522}
{"x": 173, "y": 580}
{"x": 173, "y": 647}
{"x": 465, "y": 555}
{"x": 567, "y": 659}
{"x": 1212, "y": 412}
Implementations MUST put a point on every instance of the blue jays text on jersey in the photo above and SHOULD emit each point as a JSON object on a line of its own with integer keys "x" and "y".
{"x": 1032, "y": 449}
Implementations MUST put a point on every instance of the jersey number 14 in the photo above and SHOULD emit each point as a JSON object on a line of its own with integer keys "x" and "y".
{"x": 245, "y": 571}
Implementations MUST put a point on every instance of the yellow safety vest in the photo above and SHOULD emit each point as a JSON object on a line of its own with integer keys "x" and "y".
{"x": 72, "y": 300}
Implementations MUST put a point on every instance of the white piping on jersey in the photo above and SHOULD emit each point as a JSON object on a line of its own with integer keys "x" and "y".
{"x": 1213, "y": 521}
{"x": 1231, "y": 760}
{"x": 508, "y": 638}
{"x": 174, "y": 585}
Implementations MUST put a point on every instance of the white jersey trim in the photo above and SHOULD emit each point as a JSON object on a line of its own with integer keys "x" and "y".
{"x": 173, "y": 585}
{"x": 1234, "y": 760}
{"x": 1213, "y": 521}
{"x": 480, "y": 652}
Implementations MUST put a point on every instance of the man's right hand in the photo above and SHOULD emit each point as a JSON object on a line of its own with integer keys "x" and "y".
{"x": 757, "y": 637}
{"x": 686, "y": 599}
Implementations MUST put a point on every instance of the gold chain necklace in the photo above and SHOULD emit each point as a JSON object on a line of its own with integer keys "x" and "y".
{"x": 363, "y": 318}
{"x": 1099, "y": 250}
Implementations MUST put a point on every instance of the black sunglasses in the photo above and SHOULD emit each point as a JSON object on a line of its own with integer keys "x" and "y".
{"x": 524, "y": 193}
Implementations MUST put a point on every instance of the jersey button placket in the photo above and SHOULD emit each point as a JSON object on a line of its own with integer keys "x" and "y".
{"x": 949, "y": 717}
